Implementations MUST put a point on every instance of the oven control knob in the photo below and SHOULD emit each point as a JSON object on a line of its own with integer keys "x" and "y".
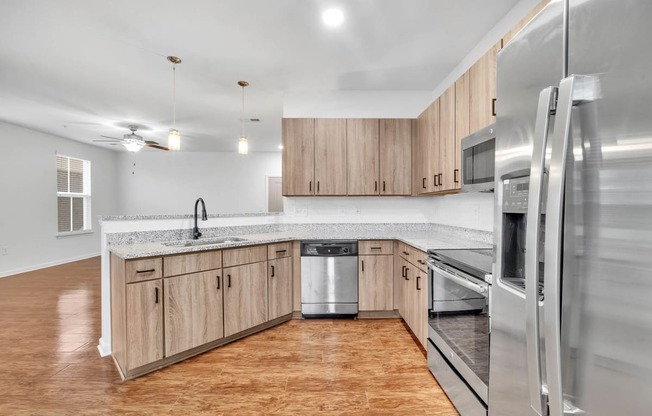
{"x": 345, "y": 250}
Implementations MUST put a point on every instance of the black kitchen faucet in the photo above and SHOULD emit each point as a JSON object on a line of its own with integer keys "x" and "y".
{"x": 195, "y": 231}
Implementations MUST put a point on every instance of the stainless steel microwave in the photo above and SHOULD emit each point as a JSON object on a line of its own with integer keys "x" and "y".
{"x": 479, "y": 160}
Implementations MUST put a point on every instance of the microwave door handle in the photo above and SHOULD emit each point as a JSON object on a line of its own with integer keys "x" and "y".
{"x": 477, "y": 288}
{"x": 535, "y": 385}
{"x": 574, "y": 90}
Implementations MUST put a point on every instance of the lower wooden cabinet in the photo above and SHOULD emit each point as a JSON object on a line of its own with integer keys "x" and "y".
{"x": 279, "y": 284}
{"x": 144, "y": 329}
{"x": 193, "y": 310}
{"x": 376, "y": 283}
{"x": 245, "y": 297}
{"x": 414, "y": 297}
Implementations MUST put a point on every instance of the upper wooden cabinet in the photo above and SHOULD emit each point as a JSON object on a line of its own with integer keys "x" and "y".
{"x": 462, "y": 127}
{"x": 427, "y": 150}
{"x": 521, "y": 24}
{"x": 362, "y": 152}
{"x": 298, "y": 138}
{"x": 330, "y": 156}
{"x": 447, "y": 139}
{"x": 395, "y": 157}
{"x": 482, "y": 90}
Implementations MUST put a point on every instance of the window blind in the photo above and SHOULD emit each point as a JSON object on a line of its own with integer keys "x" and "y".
{"x": 73, "y": 194}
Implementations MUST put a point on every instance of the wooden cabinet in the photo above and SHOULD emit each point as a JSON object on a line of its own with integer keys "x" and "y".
{"x": 330, "y": 157}
{"x": 395, "y": 157}
{"x": 376, "y": 283}
{"x": 362, "y": 152}
{"x": 244, "y": 255}
{"x": 447, "y": 139}
{"x": 193, "y": 310}
{"x": 414, "y": 290}
{"x": 192, "y": 262}
{"x": 144, "y": 313}
{"x": 298, "y": 138}
{"x": 375, "y": 247}
{"x": 245, "y": 297}
{"x": 143, "y": 269}
{"x": 427, "y": 162}
{"x": 275, "y": 251}
{"x": 482, "y": 90}
{"x": 279, "y": 283}
{"x": 521, "y": 24}
{"x": 462, "y": 127}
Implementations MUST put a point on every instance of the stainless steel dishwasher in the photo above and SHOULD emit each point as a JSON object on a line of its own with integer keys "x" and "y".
{"x": 329, "y": 278}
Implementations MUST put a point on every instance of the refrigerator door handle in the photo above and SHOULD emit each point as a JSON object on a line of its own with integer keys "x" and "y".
{"x": 545, "y": 108}
{"x": 573, "y": 90}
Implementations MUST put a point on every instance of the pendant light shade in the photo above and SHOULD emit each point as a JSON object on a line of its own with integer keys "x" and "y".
{"x": 174, "y": 138}
{"x": 243, "y": 145}
{"x": 132, "y": 147}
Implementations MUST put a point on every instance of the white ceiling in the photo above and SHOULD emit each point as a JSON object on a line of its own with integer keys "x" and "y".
{"x": 78, "y": 68}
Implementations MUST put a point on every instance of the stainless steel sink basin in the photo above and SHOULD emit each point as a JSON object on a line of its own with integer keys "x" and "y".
{"x": 203, "y": 241}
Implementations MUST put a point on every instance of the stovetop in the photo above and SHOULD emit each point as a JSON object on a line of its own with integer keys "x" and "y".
{"x": 476, "y": 262}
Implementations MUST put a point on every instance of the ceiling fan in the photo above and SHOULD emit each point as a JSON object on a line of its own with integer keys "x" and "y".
{"x": 132, "y": 141}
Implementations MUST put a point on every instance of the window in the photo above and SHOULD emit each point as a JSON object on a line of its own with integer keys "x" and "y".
{"x": 73, "y": 195}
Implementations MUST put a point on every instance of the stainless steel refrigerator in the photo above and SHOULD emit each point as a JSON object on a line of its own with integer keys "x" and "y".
{"x": 571, "y": 324}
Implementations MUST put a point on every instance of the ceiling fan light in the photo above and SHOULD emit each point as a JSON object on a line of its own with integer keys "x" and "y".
{"x": 174, "y": 140}
{"x": 132, "y": 147}
{"x": 243, "y": 146}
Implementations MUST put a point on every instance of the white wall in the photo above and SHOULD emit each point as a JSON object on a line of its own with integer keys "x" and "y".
{"x": 28, "y": 211}
{"x": 170, "y": 182}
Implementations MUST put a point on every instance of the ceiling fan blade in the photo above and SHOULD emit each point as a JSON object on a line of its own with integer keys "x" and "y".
{"x": 150, "y": 142}
{"x": 156, "y": 146}
{"x": 109, "y": 137}
{"x": 107, "y": 141}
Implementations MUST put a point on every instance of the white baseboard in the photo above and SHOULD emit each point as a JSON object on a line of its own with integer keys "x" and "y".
{"x": 105, "y": 350}
{"x": 48, "y": 264}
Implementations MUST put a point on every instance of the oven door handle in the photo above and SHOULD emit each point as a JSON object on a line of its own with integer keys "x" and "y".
{"x": 482, "y": 289}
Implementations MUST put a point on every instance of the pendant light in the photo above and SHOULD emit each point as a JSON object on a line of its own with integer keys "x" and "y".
{"x": 243, "y": 146}
{"x": 174, "y": 138}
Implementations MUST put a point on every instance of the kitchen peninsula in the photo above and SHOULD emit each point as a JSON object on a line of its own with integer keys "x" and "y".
{"x": 167, "y": 297}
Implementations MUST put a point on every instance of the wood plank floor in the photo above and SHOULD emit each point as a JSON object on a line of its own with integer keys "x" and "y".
{"x": 50, "y": 325}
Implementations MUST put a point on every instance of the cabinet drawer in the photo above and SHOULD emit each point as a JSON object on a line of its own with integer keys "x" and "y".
{"x": 375, "y": 247}
{"x": 246, "y": 255}
{"x": 191, "y": 263}
{"x": 413, "y": 255}
{"x": 405, "y": 251}
{"x": 276, "y": 251}
{"x": 144, "y": 269}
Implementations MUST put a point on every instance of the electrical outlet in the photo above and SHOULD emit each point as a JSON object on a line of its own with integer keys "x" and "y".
{"x": 4, "y": 250}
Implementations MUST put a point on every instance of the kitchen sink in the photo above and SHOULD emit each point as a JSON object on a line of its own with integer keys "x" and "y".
{"x": 203, "y": 241}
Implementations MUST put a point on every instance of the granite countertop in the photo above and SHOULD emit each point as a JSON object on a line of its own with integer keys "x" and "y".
{"x": 182, "y": 216}
{"x": 423, "y": 240}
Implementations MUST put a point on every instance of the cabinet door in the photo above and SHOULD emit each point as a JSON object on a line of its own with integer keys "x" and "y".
{"x": 362, "y": 152}
{"x": 245, "y": 297}
{"x": 447, "y": 138}
{"x": 395, "y": 157}
{"x": 330, "y": 156}
{"x": 298, "y": 137}
{"x": 461, "y": 124}
{"x": 482, "y": 83}
{"x": 375, "y": 283}
{"x": 419, "y": 324}
{"x": 144, "y": 323}
{"x": 432, "y": 148}
{"x": 193, "y": 310}
{"x": 279, "y": 282}
{"x": 406, "y": 304}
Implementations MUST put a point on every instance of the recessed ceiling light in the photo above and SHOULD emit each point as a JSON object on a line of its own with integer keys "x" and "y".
{"x": 280, "y": 146}
{"x": 332, "y": 17}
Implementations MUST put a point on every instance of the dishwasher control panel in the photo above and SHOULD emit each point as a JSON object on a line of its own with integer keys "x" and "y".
{"x": 329, "y": 248}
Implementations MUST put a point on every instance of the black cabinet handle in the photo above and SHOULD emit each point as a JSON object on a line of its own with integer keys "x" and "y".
{"x": 407, "y": 269}
{"x": 440, "y": 182}
{"x": 383, "y": 186}
{"x": 280, "y": 251}
{"x": 228, "y": 276}
{"x": 317, "y": 186}
{"x": 156, "y": 295}
{"x": 376, "y": 248}
{"x": 418, "y": 281}
{"x": 218, "y": 282}
{"x": 146, "y": 271}
{"x": 310, "y": 186}
{"x": 493, "y": 107}
{"x": 375, "y": 186}
{"x": 424, "y": 183}
{"x": 362, "y": 262}
{"x": 421, "y": 262}
{"x": 272, "y": 271}
{"x": 455, "y": 173}
{"x": 435, "y": 181}
{"x": 404, "y": 271}
{"x": 406, "y": 253}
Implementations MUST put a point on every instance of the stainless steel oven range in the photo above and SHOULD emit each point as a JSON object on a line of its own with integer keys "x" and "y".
{"x": 458, "y": 326}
